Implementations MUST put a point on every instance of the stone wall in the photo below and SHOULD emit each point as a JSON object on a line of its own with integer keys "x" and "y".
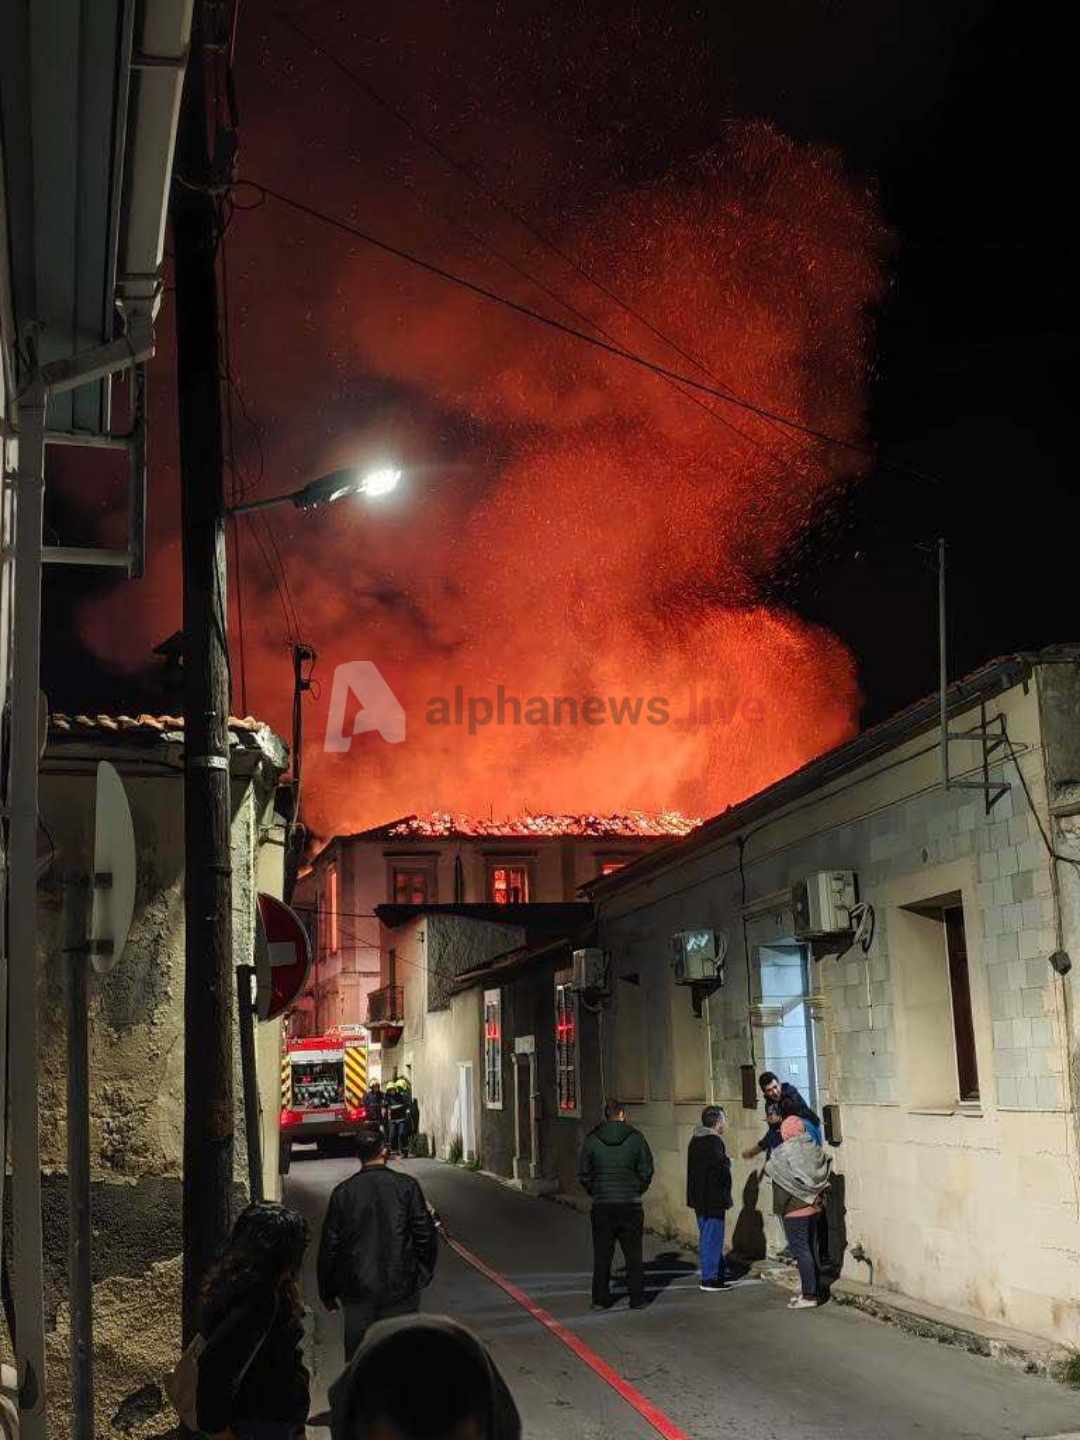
{"x": 137, "y": 1087}
{"x": 969, "y": 1206}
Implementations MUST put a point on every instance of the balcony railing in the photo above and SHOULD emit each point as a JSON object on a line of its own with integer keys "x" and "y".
{"x": 386, "y": 1006}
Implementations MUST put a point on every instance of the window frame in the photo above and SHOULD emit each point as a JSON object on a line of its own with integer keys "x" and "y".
{"x": 493, "y": 1050}
{"x": 414, "y": 867}
{"x": 333, "y": 908}
{"x": 510, "y": 862}
{"x": 567, "y": 1003}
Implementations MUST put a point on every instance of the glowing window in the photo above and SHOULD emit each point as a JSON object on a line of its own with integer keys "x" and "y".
{"x": 493, "y": 1087}
{"x": 508, "y": 884}
{"x": 332, "y": 908}
{"x": 567, "y": 1098}
{"x": 411, "y": 886}
{"x": 610, "y": 866}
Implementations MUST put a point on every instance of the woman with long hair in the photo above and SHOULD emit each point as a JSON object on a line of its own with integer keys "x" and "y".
{"x": 252, "y": 1380}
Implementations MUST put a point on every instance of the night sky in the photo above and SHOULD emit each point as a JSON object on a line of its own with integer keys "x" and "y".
{"x": 953, "y": 113}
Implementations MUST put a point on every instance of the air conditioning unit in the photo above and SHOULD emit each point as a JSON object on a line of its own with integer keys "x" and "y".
{"x": 697, "y": 956}
{"x": 822, "y": 904}
{"x": 589, "y": 970}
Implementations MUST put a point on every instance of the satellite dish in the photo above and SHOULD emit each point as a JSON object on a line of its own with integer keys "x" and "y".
{"x": 114, "y": 870}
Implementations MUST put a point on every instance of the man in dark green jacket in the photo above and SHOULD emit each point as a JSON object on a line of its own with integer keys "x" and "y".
{"x": 615, "y": 1170}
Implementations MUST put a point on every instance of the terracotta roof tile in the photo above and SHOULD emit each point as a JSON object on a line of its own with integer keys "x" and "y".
{"x": 630, "y": 825}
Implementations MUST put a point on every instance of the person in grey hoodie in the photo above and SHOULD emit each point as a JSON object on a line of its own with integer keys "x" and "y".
{"x": 615, "y": 1170}
{"x": 414, "y": 1378}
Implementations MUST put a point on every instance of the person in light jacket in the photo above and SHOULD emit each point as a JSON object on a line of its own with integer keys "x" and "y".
{"x": 800, "y": 1173}
{"x": 615, "y": 1170}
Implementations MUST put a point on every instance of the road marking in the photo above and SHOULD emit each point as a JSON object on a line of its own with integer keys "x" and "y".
{"x": 633, "y": 1397}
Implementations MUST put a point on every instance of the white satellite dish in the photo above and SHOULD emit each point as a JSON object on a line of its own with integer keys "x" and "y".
{"x": 114, "y": 870}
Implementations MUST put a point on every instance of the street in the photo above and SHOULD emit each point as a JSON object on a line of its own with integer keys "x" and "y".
{"x": 737, "y": 1365}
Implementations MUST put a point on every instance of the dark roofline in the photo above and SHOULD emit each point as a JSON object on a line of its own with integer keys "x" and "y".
{"x": 536, "y": 915}
{"x": 994, "y": 678}
{"x": 510, "y": 962}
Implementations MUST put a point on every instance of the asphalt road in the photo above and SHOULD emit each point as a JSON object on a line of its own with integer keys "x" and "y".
{"x": 734, "y": 1366}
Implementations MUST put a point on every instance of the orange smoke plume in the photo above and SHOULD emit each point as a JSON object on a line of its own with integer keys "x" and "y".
{"x": 572, "y": 528}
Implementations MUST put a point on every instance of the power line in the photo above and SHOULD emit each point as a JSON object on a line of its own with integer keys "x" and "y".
{"x": 494, "y": 198}
{"x": 621, "y": 353}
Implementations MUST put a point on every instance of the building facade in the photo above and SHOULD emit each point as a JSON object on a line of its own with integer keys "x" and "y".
{"x": 443, "y": 859}
{"x": 490, "y": 1035}
{"x": 137, "y": 1048}
{"x": 941, "y": 1040}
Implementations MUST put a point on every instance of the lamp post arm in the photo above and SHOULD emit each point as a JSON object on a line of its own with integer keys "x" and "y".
{"x": 247, "y": 505}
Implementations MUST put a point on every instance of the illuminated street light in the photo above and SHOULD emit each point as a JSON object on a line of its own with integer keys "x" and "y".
{"x": 328, "y": 488}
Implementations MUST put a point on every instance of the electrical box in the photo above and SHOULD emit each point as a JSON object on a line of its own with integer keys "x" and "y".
{"x": 589, "y": 970}
{"x": 830, "y": 1117}
{"x": 822, "y": 903}
{"x": 698, "y": 956}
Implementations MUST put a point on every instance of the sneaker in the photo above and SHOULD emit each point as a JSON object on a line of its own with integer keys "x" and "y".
{"x": 711, "y": 1285}
{"x": 800, "y": 1302}
{"x": 601, "y": 1304}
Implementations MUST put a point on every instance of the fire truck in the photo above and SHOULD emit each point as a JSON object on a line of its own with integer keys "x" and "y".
{"x": 323, "y": 1082}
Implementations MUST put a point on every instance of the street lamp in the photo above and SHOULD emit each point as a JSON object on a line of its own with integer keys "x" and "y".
{"x": 328, "y": 488}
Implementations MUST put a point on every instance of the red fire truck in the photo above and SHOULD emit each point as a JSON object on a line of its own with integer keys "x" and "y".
{"x": 323, "y": 1082}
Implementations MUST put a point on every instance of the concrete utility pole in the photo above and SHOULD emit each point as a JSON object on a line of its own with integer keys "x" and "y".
{"x": 208, "y": 972}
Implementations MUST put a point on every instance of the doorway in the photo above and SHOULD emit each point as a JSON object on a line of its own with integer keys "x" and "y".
{"x": 466, "y": 1092}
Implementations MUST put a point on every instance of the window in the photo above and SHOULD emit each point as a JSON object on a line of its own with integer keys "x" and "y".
{"x": 567, "y": 1098}
{"x": 609, "y": 867}
{"x": 967, "y": 1069}
{"x": 411, "y": 885}
{"x": 789, "y": 1029}
{"x": 333, "y": 938}
{"x": 508, "y": 884}
{"x": 935, "y": 1017}
{"x": 493, "y": 1087}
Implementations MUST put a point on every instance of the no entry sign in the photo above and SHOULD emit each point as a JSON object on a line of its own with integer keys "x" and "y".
{"x": 282, "y": 957}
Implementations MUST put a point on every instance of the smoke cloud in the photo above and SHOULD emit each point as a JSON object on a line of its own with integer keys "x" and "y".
{"x": 570, "y": 525}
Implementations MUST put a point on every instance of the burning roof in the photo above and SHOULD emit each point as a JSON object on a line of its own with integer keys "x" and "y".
{"x": 441, "y": 825}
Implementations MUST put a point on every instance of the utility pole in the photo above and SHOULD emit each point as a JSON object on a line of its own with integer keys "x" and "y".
{"x": 294, "y": 842}
{"x": 208, "y": 969}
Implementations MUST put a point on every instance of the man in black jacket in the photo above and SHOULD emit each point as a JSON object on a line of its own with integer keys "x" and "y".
{"x": 615, "y": 1170}
{"x": 378, "y": 1246}
{"x": 708, "y": 1193}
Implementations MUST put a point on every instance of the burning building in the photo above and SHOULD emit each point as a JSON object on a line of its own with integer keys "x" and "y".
{"x": 487, "y": 866}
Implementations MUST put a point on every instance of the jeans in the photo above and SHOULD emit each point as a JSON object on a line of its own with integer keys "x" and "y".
{"x": 626, "y": 1224}
{"x": 360, "y": 1315}
{"x": 399, "y": 1134}
{"x": 802, "y": 1236}
{"x": 711, "y": 1233}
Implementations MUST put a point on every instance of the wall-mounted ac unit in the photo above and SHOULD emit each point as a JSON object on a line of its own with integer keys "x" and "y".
{"x": 698, "y": 956}
{"x": 589, "y": 970}
{"x": 822, "y": 904}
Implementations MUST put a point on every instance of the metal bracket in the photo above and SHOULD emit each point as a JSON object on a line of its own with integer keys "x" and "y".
{"x": 991, "y": 743}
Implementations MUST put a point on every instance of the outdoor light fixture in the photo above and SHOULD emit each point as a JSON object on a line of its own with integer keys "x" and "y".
{"x": 328, "y": 488}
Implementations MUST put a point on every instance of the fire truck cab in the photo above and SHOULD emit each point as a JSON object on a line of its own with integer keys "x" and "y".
{"x": 323, "y": 1082}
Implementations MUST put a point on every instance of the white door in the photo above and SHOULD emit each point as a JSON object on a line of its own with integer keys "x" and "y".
{"x": 465, "y": 1105}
